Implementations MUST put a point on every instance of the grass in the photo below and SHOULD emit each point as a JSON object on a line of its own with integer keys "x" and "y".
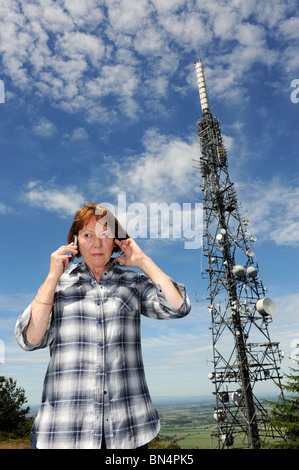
{"x": 7, "y": 442}
{"x": 190, "y": 426}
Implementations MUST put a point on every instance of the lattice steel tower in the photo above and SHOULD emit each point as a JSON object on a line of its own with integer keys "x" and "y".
{"x": 243, "y": 353}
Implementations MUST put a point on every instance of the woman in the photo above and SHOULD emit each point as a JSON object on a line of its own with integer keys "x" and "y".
{"x": 95, "y": 393}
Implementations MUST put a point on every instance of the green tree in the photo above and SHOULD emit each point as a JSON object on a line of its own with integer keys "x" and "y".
{"x": 285, "y": 413}
{"x": 159, "y": 443}
{"x": 13, "y": 414}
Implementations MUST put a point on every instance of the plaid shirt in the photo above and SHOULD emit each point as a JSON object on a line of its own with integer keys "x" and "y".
{"x": 95, "y": 378}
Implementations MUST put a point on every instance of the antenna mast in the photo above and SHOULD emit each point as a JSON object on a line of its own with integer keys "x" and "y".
{"x": 243, "y": 353}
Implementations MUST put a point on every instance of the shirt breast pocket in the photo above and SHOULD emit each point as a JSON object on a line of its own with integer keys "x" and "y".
{"x": 122, "y": 327}
{"x": 125, "y": 301}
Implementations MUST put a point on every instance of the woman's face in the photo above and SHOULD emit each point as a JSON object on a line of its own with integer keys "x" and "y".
{"x": 95, "y": 245}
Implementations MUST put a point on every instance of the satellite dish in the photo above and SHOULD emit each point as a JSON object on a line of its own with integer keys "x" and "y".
{"x": 223, "y": 231}
{"x": 252, "y": 271}
{"x": 219, "y": 236}
{"x": 237, "y": 397}
{"x": 253, "y": 239}
{"x": 265, "y": 306}
{"x": 219, "y": 415}
{"x": 238, "y": 270}
{"x": 250, "y": 253}
{"x": 224, "y": 397}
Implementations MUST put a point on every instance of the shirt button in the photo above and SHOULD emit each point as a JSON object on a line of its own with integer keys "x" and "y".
{"x": 105, "y": 392}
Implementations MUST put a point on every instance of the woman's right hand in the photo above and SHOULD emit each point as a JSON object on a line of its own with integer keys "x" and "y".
{"x": 41, "y": 308}
{"x": 60, "y": 260}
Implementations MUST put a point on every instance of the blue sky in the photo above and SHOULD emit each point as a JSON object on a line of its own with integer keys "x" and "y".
{"x": 101, "y": 99}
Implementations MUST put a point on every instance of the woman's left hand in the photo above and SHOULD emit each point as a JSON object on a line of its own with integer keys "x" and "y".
{"x": 134, "y": 256}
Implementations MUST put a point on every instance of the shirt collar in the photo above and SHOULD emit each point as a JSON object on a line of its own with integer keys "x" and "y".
{"x": 82, "y": 269}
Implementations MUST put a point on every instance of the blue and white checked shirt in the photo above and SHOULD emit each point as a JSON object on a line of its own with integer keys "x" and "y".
{"x": 95, "y": 378}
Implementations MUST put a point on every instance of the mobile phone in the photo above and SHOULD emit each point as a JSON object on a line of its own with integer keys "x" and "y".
{"x": 75, "y": 243}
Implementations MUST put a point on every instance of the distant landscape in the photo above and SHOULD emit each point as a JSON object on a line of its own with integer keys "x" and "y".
{"x": 186, "y": 422}
{"x": 189, "y": 423}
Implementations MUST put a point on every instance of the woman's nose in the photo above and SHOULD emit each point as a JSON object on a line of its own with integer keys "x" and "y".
{"x": 98, "y": 241}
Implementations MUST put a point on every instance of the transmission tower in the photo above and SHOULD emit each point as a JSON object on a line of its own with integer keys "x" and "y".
{"x": 243, "y": 353}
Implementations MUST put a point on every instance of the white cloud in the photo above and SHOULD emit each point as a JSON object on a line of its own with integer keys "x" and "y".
{"x": 85, "y": 14}
{"x": 119, "y": 80}
{"x": 3, "y": 209}
{"x": 285, "y": 327}
{"x": 51, "y": 15}
{"x": 127, "y": 15}
{"x": 272, "y": 12}
{"x": 132, "y": 50}
{"x": 163, "y": 173}
{"x": 76, "y": 44}
{"x": 188, "y": 29}
{"x": 44, "y": 128}
{"x": 65, "y": 201}
{"x": 273, "y": 209}
{"x": 289, "y": 27}
{"x": 79, "y": 133}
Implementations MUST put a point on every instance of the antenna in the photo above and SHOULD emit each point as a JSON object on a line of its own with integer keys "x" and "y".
{"x": 201, "y": 86}
{"x": 243, "y": 353}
